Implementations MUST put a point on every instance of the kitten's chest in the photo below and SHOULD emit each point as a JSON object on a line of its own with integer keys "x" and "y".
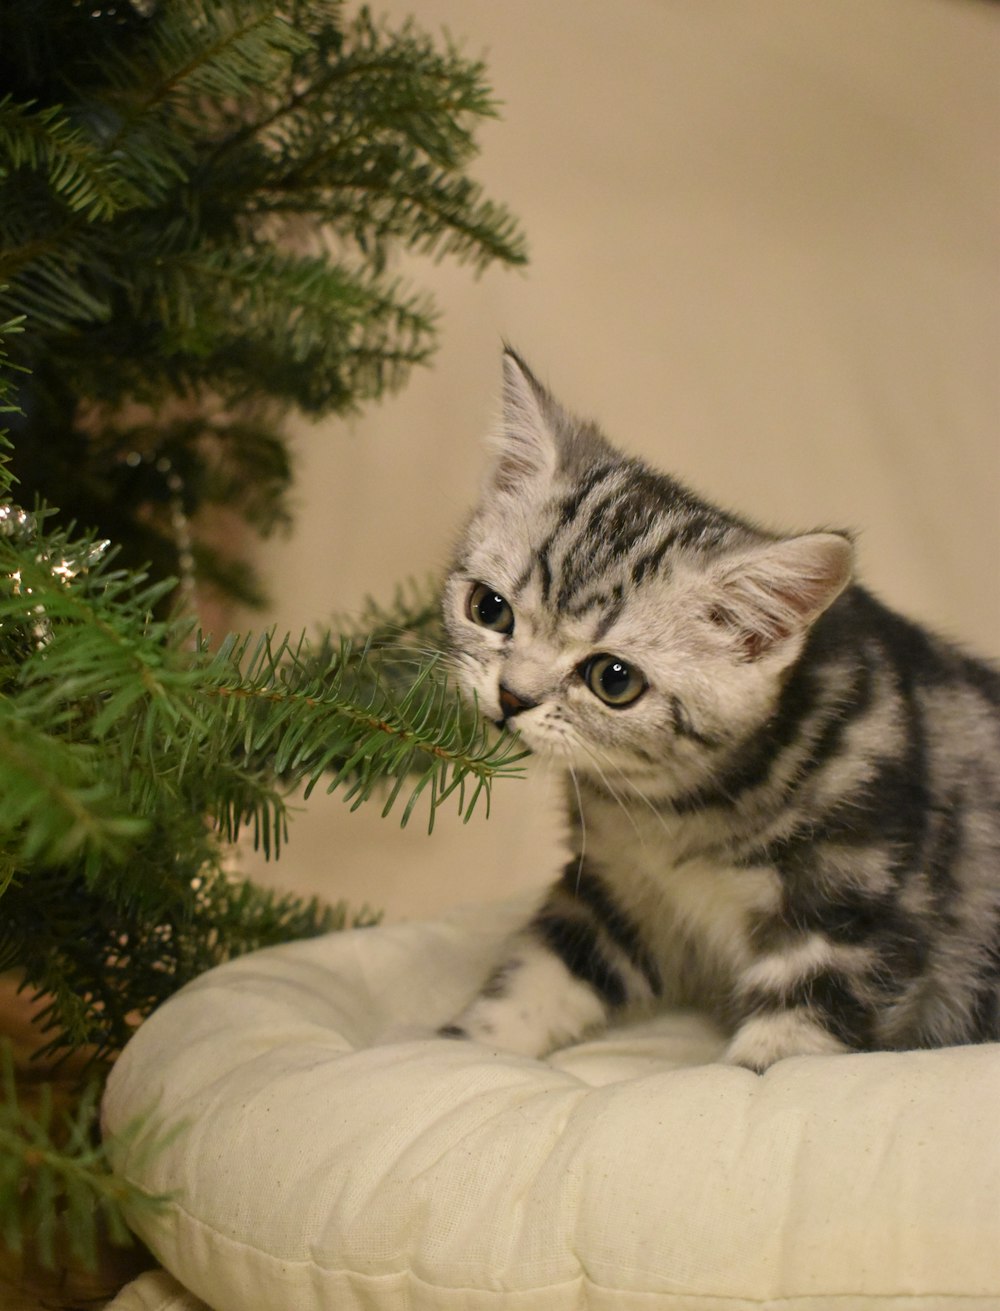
{"x": 695, "y": 911}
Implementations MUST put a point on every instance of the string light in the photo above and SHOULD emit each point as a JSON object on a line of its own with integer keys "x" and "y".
{"x": 15, "y": 522}
{"x": 20, "y": 525}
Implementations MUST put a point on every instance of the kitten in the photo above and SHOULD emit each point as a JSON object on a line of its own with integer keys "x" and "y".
{"x": 785, "y": 798}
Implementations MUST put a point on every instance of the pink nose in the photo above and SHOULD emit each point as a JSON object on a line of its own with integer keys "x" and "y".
{"x": 511, "y": 704}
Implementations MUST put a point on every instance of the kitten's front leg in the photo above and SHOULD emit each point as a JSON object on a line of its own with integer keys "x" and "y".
{"x": 531, "y": 1004}
{"x": 577, "y": 963}
{"x": 806, "y": 999}
{"x": 762, "y": 1040}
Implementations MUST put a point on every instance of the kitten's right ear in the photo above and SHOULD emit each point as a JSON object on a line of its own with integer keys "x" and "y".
{"x": 524, "y": 444}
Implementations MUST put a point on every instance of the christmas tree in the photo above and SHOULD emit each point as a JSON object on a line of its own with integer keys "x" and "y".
{"x": 199, "y": 201}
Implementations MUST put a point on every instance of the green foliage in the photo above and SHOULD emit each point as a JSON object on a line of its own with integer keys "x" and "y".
{"x": 55, "y": 1184}
{"x": 121, "y": 734}
{"x": 197, "y": 205}
{"x": 132, "y": 754}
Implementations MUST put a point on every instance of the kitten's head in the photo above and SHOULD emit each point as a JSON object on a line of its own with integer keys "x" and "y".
{"x": 614, "y": 618}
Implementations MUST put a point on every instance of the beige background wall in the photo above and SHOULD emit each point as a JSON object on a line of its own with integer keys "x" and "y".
{"x": 764, "y": 255}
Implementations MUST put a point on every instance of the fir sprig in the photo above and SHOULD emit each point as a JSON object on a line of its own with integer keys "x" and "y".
{"x": 95, "y": 672}
{"x": 54, "y": 804}
{"x": 55, "y": 1185}
{"x": 102, "y": 958}
{"x": 129, "y": 745}
{"x": 197, "y": 206}
{"x": 344, "y": 718}
{"x": 78, "y": 170}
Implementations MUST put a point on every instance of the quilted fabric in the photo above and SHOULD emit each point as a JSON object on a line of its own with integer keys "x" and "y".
{"x": 156, "y": 1291}
{"x": 327, "y": 1158}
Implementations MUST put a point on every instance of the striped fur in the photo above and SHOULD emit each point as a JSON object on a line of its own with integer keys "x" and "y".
{"x": 795, "y": 823}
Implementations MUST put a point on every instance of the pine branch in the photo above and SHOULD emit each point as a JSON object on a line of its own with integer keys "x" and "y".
{"x": 378, "y": 149}
{"x": 56, "y": 1187}
{"x": 161, "y": 167}
{"x": 343, "y": 720}
{"x": 55, "y": 805}
{"x": 97, "y": 674}
{"x": 52, "y": 277}
{"x": 8, "y": 403}
{"x": 99, "y": 959}
{"x": 197, "y": 53}
{"x": 194, "y": 60}
{"x": 363, "y": 80}
{"x": 79, "y": 171}
{"x": 281, "y": 304}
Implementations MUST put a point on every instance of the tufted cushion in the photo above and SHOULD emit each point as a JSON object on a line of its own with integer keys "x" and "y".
{"x": 323, "y": 1165}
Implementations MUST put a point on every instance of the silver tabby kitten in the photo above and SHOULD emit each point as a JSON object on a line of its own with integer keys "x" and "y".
{"x": 785, "y": 798}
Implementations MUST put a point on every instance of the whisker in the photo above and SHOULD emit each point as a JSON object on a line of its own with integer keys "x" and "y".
{"x": 583, "y": 826}
{"x": 632, "y": 786}
{"x": 613, "y": 792}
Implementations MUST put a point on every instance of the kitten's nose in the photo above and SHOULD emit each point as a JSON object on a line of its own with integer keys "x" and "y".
{"x": 512, "y": 704}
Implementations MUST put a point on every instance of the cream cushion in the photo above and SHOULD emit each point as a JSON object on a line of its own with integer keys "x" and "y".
{"x": 326, "y": 1159}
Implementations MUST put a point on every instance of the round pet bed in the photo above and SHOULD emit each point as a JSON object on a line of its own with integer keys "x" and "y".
{"x": 318, "y": 1156}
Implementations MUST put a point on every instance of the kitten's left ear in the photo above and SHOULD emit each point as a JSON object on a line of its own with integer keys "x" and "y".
{"x": 777, "y": 591}
{"x": 524, "y": 445}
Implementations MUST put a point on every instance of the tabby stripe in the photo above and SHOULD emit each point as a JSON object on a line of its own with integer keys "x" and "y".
{"x": 842, "y": 1012}
{"x": 652, "y": 559}
{"x": 890, "y": 808}
{"x": 589, "y": 889}
{"x": 576, "y": 944}
{"x": 985, "y": 1017}
{"x": 615, "y": 606}
{"x": 829, "y": 998}
{"x": 613, "y": 603}
{"x": 944, "y": 844}
{"x": 568, "y": 511}
{"x": 856, "y": 702}
{"x": 702, "y": 530}
{"x": 522, "y": 581}
{"x": 596, "y": 528}
{"x": 983, "y": 679}
{"x": 582, "y": 562}
{"x": 757, "y": 757}
{"x": 911, "y": 793}
{"x": 545, "y": 569}
{"x": 683, "y": 726}
{"x": 498, "y": 984}
{"x": 627, "y": 521}
{"x": 851, "y": 917}
{"x": 591, "y": 602}
{"x": 571, "y": 505}
{"x": 576, "y": 575}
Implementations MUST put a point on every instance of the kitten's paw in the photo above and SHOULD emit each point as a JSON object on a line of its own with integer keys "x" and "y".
{"x": 764, "y": 1039}
{"x": 499, "y": 1025}
{"x": 530, "y": 1005}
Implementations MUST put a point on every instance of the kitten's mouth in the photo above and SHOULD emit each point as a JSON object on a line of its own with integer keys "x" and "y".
{"x": 507, "y": 725}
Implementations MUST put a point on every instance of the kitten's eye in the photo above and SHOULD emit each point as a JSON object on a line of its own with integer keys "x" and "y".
{"x": 489, "y": 609}
{"x": 612, "y": 680}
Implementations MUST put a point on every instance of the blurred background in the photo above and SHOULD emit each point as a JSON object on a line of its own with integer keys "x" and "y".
{"x": 764, "y": 256}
